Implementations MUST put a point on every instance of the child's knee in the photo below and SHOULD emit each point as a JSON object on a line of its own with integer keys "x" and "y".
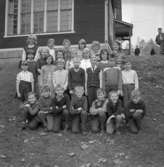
{"x": 33, "y": 125}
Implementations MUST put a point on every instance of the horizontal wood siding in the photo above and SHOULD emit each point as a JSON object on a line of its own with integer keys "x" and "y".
{"x": 88, "y": 24}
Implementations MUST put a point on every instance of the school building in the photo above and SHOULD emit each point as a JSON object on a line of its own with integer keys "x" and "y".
{"x": 59, "y": 19}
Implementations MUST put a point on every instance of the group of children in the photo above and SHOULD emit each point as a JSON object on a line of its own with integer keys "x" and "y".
{"x": 73, "y": 89}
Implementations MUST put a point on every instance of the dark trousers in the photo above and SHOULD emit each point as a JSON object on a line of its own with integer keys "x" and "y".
{"x": 92, "y": 94}
{"x": 127, "y": 89}
{"x": 24, "y": 88}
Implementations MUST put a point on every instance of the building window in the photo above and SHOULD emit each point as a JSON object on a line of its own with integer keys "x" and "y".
{"x": 39, "y": 16}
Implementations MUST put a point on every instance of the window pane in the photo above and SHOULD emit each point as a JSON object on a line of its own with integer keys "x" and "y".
{"x": 66, "y": 4}
{"x": 66, "y": 20}
{"x": 52, "y": 23}
{"x": 38, "y": 16}
{"x": 52, "y": 5}
{"x": 52, "y": 15}
{"x": 12, "y": 17}
{"x": 25, "y": 16}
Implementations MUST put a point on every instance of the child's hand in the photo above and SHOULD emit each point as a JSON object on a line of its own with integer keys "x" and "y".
{"x": 132, "y": 110}
{"x": 71, "y": 91}
{"x": 64, "y": 107}
{"x": 27, "y": 105}
{"x": 79, "y": 109}
{"x": 120, "y": 92}
{"x": 137, "y": 114}
{"x": 57, "y": 107}
{"x": 139, "y": 111}
{"x": 19, "y": 95}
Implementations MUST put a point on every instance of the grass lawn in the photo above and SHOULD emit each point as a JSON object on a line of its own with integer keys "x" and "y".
{"x": 37, "y": 149}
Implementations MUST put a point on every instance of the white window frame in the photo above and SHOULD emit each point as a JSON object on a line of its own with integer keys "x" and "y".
{"x": 32, "y": 21}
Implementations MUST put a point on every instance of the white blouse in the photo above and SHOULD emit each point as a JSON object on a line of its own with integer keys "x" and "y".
{"x": 25, "y": 76}
{"x": 130, "y": 77}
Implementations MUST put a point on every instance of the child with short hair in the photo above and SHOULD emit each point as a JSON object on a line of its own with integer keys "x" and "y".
{"x": 60, "y": 76}
{"x": 29, "y": 111}
{"x": 93, "y": 77}
{"x": 44, "y": 104}
{"x": 78, "y": 110}
{"x": 112, "y": 78}
{"x": 24, "y": 82}
{"x": 47, "y": 72}
{"x": 67, "y": 50}
{"x": 115, "y": 113}
{"x": 135, "y": 111}
{"x": 60, "y": 110}
{"x": 76, "y": 76}
{"x": 98, "y": 112}
{"x": 59, "y": 54}
{"x": 85, "y": 62}
{"x": 51, "y": 48}
{"x": 130, "y": 81}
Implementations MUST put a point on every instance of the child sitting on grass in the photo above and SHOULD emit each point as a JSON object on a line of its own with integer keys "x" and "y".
{"x": 78, "y": 109}
{"x": 135, "y": 111}
{"x": 60, "y": 110}
{"x": 115, "y": 113}
{"x": 29, "y": 111}
{"x": 44, "y": 105}
{"x": 24, "y": 82}
{"x": 98, "y": 112}
{"x": 130, "y": 81}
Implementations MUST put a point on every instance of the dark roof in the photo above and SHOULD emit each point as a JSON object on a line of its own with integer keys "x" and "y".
{"x": 122, "y": 29}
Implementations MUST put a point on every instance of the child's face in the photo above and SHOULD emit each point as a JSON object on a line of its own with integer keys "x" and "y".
{"x": 79, "y": 92}
{"x": 51, "y": 43}
{"x": 81, "y": 45}
{"x": 101, "y": 96}
{"x": 46, "y": 94}
{"x": 60, "y": 66}
{"x": 24, "y": 67}
{"x": 76, "y": 63}
{"x": 59, "y": 91}
{"x": 31, "y": 99}
{"x": 114, "y": 97}
{"x": 136, "y": 99}
{"x": 49, "y": 60}
{"x": 104, "y": 56}
{"x": 115, "y": 47}
{"x": 30, "y": 56}
{"x": 60, "y": 55}
{"x": 127, "y": 66}
{"x": 66, "y": 45}
{"x": 86, "y": 54}
{"x": 31, "y": 41}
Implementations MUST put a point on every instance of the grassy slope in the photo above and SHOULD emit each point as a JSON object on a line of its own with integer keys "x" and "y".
{"x": 125, "y": 150}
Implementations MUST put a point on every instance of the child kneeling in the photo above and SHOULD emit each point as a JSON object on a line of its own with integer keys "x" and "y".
{"x": 98, "y": 112}
{"x": 135, "y": 111}
{"x": 29, "y": 111}
{"x": 78, "y": 110}
{"x": 115, "y": 113}
{"x": 60, "y": 110}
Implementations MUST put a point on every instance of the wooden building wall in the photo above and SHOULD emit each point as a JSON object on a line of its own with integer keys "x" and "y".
{"x": 88, "y": 24}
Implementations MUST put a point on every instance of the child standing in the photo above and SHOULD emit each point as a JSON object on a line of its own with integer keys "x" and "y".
{"x": 67, "y": 50}
{"x": 29, "y": 111}
{"x": 112, "y": 78}
{"x": 78, "y": 109}
{"x": 130, "y": 81}
{"x": 46, "y": 73}
{"x": 85, "y": 62}
{"x": 82, "y": 44}
{"x": 115, "y": 113}
{"x": 60, "y": 76}
{"x": 98, "y": 112}
{"x": 24, "y": 82}
{"x": 60, "y": 110}
{"x": 76, "y": 76}
{"x": 135, "y": 111}
{"x": 93, "y": 76}
{"x": 51, "y": 48}
{"x": 44, "y": 104}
